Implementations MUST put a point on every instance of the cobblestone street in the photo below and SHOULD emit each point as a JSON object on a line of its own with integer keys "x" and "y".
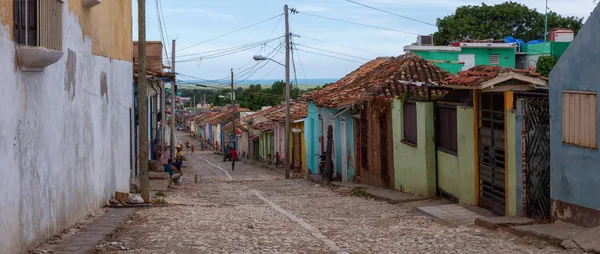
{"x": 254, "y": 210}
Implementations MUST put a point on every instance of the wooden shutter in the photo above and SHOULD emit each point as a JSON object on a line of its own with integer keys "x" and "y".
{"x": 410, "y": 122}
{"x": 20, "y": 28}
{"x": 50, "y": 24}
{"x": 579, "y": 119}
{"x": 446, "y": 129}
{"x": 494, "y": 59}
{"x": 32, "y": 22}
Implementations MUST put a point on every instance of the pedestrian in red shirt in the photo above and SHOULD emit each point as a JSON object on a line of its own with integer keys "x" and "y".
{"x": 192, "y": 149}
{"x": 233, "y": 154}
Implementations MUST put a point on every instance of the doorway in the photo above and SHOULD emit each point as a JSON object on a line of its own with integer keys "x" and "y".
{"x": 492, "y": 168}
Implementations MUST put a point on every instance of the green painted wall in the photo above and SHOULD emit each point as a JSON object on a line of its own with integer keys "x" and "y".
{"x": 482, "y": 55}
{"x": 511, "y": 162}
{"x": 555, "y": 49}
{"x": 456, "y": 173}
{"x": 442, "y": 55}
{"x": 414, "y": 167}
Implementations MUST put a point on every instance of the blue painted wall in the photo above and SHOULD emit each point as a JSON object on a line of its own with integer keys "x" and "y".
{"x": 311, "y": 135}
{"x": 349, "y": 156}
{"x": 575, "y": 172}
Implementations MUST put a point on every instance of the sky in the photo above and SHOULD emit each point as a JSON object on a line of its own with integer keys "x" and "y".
{"x": 193, "y": 22}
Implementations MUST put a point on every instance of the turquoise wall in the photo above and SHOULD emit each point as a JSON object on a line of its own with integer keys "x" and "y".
{"x": 482, "y": 57}
{"x": 442, "y": 55}
{"x": 349, "y": 156}
{"x": 311, "y": 135}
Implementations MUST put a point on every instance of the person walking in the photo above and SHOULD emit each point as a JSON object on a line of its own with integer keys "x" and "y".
{"x": 233, "y": 155}
{"x": 193, "y": 149}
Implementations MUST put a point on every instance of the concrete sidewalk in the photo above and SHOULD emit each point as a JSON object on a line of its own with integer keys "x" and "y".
{"x": 390, "y": 196}
{"x": 86, "y": 239}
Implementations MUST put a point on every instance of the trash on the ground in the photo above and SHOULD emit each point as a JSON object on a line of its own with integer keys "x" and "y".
{"x": 398, "y": 205}
{"x": 124, "y": 248}
{"x": 136, "y": 199}
{"x": 113, "y": 243}
{"x": 72, "y": 233}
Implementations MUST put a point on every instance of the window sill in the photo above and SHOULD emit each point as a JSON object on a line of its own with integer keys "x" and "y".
{"x": 406, "y": 142}
{"x": 91, "y": 3}
{"x": 35, "y": 59}
{"x": 579, "y": 146}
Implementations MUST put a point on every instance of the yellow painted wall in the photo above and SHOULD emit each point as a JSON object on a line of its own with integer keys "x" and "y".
{"x": 293, "y": 141}
{"x": 108, "y": 25}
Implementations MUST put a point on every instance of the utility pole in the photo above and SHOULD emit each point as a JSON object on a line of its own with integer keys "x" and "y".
{"x": 173, "y": 98}
{"x": 205, "y": 127}
{"x": 287, "y": 93}
{"x": 163, "y": 119}
{"x": 546, "y": 23}
{"x": 142, "y": 103}
{"x": 233, "y": 119}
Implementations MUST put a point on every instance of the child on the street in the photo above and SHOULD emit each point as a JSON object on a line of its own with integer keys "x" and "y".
{"x": 233, "y": 157}
{"x": 192, "y": 149}
{"x": 277, "y": 159}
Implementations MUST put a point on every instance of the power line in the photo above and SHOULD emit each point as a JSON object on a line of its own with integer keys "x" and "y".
{"x": 398, "y": 15}
{"x": 259, "y": 43}
{"x": 359, "y": 24}
{"x": 232, "y": 32}
{"x": 301, "y": 65}
{"x": 333, "y": 52}
{"x": 316, "y": 53}
{"x": 160, "y": 19}
{"x": 336, "y": 44}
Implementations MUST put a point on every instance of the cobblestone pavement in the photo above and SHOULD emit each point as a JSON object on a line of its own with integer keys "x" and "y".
{"x": 254, "y": 210}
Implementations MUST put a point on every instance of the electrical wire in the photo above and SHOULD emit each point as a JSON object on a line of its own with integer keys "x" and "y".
{"x": 316, "y": 53}
{"x": 398, "y": 15}
{"x": 259, "y": 43}
{"x": 333, "y": 52}
{"x": 232, "y": 32}
{"x": 336, "y": 44}
{"x": 162, "y": 31}
{"x": 359, "y": 24}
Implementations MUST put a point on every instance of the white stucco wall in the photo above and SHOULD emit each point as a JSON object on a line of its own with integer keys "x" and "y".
{"x": 64, "y": 144}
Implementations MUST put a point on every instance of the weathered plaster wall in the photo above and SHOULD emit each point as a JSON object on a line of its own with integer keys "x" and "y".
{"x": 64, "y": 141}
{"x": 456, "y": 173}
{"x": 108, "y": 25}
{"x": 349, "y": 156}
{"x": 302, "y": 142}
{"x": 575, "y": 171}
{"x": 511, "y": 165}
{"x": 518, "y": 158}
{"x": 415, "y": 166}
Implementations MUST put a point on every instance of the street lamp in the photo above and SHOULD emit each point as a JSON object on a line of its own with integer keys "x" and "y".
{"x": 263, "y": 58}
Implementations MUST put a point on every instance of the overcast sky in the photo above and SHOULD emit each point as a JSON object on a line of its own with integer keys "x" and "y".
{"x": 194, "y": 21}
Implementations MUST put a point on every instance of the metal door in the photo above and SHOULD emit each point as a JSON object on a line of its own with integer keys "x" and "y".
{"x": 492, "y": 173}
{"x": 536, "y": 126}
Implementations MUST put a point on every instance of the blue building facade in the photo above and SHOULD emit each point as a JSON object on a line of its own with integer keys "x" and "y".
{"x": 575, "y": 160}
{"x": 315, "y": 126}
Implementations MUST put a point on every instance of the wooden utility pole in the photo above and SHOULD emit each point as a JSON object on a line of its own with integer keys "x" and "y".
{"x": 287, "y": 93}
{"x": 173, "y": 99}
{"x": 142, "y": 104}
{"x": 233, "y": 119}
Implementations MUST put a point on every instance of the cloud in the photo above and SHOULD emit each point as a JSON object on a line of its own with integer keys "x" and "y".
{"x": 198, "y": 11}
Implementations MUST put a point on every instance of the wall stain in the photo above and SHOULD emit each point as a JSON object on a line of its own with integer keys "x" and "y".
{"x": 71, "y": 68}
{"x": 103, "y": 86}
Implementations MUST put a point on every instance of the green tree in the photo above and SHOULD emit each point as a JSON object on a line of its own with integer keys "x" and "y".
{"x": 545, "y": 64}
{"x": 498, "y": 21}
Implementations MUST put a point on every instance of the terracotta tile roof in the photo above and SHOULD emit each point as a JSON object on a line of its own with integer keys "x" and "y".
{"x": 375, "y": 77}
{"x": 264, "y": 126}
{"x": 298, "y": 110}
{"x": 229, "y": 127}
{"x": 224, "y": 116}
{"x": 261, "y": 113}
{"x": 482, "y": 73}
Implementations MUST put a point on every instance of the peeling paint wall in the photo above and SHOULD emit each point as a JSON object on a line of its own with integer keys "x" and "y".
{"x": 64, "y": 140}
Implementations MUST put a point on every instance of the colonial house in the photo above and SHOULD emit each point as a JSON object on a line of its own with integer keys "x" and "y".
{"x": 66, "y": 109}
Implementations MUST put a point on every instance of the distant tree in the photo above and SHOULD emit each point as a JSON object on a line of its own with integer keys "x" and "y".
{"x": 498, "y": 21}
{"x": 545, "y": 64}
